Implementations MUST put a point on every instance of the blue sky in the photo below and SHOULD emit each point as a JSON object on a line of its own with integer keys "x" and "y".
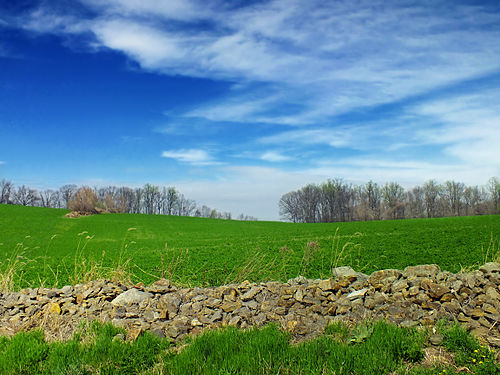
{"x": 238, "y": 102}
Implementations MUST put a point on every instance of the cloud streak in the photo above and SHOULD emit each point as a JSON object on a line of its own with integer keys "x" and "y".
{"x": 190, "y": 156}
{"x": 331, "y": 57}
{"x": 274, "y": 157}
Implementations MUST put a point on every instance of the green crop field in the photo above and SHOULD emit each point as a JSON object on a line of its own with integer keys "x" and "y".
{"x": 40, "y": 246}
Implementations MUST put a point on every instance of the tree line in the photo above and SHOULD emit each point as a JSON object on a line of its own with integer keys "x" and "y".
{"x": 336, "y": 201}
{"x": 149, "y": 199}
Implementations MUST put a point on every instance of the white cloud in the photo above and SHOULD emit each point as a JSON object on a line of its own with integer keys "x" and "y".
{"x": 331, "y": 56}
{"x": 172, "y": 9}
{"x": 340, "y": 137}
{"x": 466, "y": 126}
{"x": 190, "y": 156}
{"x": 234, "y": 110}
{"x": 152, "y": 47}
{"x": 44, "y": 20}
{"x": 274, "y": 157}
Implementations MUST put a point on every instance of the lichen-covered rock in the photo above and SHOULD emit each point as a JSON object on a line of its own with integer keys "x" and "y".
{"x": 131, "y": 296}
{"x": 231, "y": 306}
{"x": 384, "y": 278}
{"x": 251, "y": 293}
{"x": 346, "y": 271}
{"x": 160, "y": 286}
{"x": 425, "y": 270}
{"x": 491, "y": 267}
{"x": 326, "y": 285}
{"x": 434, "y": 290}
{"x": 357, "y": 294}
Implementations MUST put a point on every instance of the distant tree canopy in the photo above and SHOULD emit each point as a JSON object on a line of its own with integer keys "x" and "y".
{"x": 149, "y": 199}
{"x": 335, "y": 200}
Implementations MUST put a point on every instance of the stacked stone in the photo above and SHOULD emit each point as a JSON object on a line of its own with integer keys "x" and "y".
{"x": 418, "y": 295}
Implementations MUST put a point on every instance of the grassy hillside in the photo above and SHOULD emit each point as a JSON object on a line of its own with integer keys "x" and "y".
{"x": 40, "y": 246}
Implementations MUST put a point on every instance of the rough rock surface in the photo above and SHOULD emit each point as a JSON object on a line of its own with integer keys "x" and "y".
{"x": 418, "y": 295}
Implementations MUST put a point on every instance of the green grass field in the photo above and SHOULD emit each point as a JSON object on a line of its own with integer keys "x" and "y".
{"x": 40, "y": 246}
{"x": 384, "y": 349}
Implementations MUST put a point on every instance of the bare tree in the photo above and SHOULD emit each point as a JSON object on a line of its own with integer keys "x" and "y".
{"x": 214, "y": 214}
{"x": 205, "y": 211}
{"x": 149, "y": 197}
{"x": 185, "y": 207}
{"x": 138, "y": 199}
{"x": 171, "y": 200}
{"x": 370, "y": 197}
{"x": 50, "y": 198}
{"x": 453, "y": 191}
{"x": 472, "y": 200}
{"x": 109, "y": 203}
{"x": 67, "y": 193}
{"x": 431, "y": 195}
{"x": 336, "y": 201}
{"x": 394, "y": 195}
{"x": 416, "y": 206}
{"x": 125, "y": 199}
{"x": 25, "y": 196}
{"x": 289, "y": 207}
{"x": 243, "y": 217}
{"x": 6, "y": 188}
{"x": 494, "y": 188}
{"x": 331, "y": 192}
{"x": 310, "y": 198}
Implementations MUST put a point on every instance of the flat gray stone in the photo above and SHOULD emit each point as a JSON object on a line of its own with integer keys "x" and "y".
{"x": 490, "y": 267}
{"x": 357, "y": 294}
{"x": 424, "y": 270}
{"x": 251, "y": 293}
{"x": 131, "y": 296}
{"x": 346, "y": 271}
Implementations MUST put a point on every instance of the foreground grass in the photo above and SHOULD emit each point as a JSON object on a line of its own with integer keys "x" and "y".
{"x": 96, "y": 349}
{"x": 374, "y": 348}
{"x": 41, "y": 247}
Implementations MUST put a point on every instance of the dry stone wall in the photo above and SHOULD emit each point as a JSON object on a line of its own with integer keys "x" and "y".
{"x": 418, "y": 295}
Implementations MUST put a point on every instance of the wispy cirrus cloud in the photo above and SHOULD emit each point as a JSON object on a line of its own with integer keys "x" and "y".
{"x": 466, "y": 126}
{"x": 463, "y": 126}
{"x": 338, "y": 137}
{"x": 331, "y": 57}
{"x": 172, "y": 9}
{"x": 190, "y": 156}
{"x": 274, "y": 157}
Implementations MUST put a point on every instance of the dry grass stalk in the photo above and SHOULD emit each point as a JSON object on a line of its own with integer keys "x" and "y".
{"x": 11, "y": 271}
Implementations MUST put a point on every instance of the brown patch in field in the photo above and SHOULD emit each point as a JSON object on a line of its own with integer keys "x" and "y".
{"x": 77, "y": 214}
{"x": 440, "y": 357}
